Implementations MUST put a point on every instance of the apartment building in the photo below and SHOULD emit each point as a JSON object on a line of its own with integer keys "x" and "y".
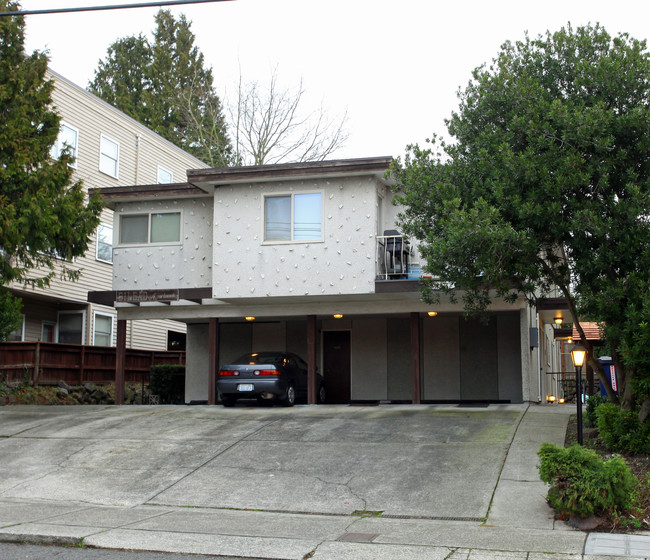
{"x": 111, "y": 149}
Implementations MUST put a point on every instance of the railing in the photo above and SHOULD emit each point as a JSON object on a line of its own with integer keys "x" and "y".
{"x": 393, "y": 258}
{"x": 47, "y": 363}
{"x": 564, "y": 385}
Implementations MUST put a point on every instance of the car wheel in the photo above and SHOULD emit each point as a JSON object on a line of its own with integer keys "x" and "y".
{"x": 320, "y": 398}
{"x": 289, "y": 397}
{"x": 228, "y": 401}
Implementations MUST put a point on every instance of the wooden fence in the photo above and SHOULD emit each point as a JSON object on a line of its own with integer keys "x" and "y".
{"x": 47, "y": 363}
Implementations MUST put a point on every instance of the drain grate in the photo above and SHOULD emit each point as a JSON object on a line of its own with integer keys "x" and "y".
{"x": 358, "y": 537}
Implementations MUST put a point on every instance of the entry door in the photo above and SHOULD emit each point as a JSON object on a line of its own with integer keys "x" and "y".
{"x": 336, "y": 365}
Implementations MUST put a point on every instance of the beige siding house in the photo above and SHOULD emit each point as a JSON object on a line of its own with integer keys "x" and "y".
{"x": 111, "y": 150}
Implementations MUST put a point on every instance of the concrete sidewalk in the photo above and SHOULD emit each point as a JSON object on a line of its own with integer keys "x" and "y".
{"x": 393, "y": 482}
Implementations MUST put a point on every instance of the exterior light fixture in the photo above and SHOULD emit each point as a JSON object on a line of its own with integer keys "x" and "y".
{"x": 578, "y": 357}
{"x": 558, "y": 320}
{"x": 561, "y": 400}
{"x": 550, "y": 399}
{"x": 432, "y": 313}
{"x": 250, "y": 318}
{"x": 338, "y": 315}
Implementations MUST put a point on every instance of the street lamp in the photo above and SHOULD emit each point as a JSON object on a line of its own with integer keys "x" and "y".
{"x": 578, "y": 357}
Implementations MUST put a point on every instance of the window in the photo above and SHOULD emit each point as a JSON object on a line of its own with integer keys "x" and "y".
{"x": 67, "y": 138}
{"x": 162, "y": 227}
{"x": 165, "y": 176}
{"x": 71, "y": 327}
{"x": 103, "y": 330}
{"x": 295, "y": 217}
{"x": 109, "y": 156}
{"x": 105, "y": 243}
{"x": 48, "y": 331}
{"x": 18, "y": 335}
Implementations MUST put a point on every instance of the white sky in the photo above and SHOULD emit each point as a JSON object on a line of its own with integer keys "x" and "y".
{"x": 395, "y": 66}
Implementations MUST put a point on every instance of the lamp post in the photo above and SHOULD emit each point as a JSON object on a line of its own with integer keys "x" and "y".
{"x": 578, "y": 357}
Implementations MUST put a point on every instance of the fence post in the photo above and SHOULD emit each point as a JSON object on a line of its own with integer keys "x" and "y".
{"x": 82, "y": 364}
{"x": 37, "y": 363}
{"x": 120, "y": 354}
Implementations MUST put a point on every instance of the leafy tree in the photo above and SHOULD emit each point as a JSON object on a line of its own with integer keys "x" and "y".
{"x": 546, "y": 185}
{"x": 165, "y": 85}
{"x": 43, "y": 218}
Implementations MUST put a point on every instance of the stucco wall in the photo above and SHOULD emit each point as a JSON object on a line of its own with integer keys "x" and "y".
{"x": 183, "y": 265}
{"x": 343, "y": 263}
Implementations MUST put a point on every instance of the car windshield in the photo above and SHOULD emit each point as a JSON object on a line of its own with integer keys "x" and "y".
{"x": 273, "y": 358}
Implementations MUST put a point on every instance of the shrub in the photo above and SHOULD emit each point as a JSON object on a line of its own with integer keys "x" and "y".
{"x": 621, "y": 431}
{"x": 582, "y": 484}
{"x": 168, "y": 381}
{"x": 593, "y": 403}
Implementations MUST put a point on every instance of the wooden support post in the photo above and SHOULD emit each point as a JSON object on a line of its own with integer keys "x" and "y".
{"x": 311, "y": 359}
{"x": 120, "y": 361}
{"x": 415, "y": 356}
{"x": 37, "y": 364}
{"x": 213, "y": 359}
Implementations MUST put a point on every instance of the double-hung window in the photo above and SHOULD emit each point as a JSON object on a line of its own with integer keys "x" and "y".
{"x": 103, "y": 330}
{"x": 160, "y": 227}
{"x": 105, "y": 243}
{"x": 293, "y": 217}
{"x": 109, "y": 156}
{"x": 67, "y": 138}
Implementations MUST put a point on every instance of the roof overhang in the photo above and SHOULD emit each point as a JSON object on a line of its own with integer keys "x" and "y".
{"x": 223, "y": 176}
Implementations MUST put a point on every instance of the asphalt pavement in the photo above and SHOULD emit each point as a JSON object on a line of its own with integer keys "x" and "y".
{"x": 326, "y": 482}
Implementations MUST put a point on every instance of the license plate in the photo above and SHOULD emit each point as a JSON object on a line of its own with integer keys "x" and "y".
{"x": 245, "y": 387}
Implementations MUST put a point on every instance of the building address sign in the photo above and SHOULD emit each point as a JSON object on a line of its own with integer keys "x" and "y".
{"x": 140, "y": 296}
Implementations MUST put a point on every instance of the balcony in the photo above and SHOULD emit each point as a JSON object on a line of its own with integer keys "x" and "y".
{"x": 396, "y": 257}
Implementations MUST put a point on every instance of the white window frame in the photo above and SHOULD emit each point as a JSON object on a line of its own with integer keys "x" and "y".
{"x": 81, "y": 312}
{"x": 58, "y": 146}
{"x": 167, "y": 171}
{"x": 55, "y": 330}
{"x": 110, "y": 336}
{"x": 102, "y": 155}
{"x": 106, "y": 226}
{"x": 148, "y": 241}
{"x": 292, "y": 195}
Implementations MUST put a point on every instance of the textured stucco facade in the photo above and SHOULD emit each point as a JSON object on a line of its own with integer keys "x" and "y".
{"x": 186, "y": 264}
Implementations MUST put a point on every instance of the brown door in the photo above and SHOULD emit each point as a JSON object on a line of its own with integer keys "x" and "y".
{"x": 336, "y": 365}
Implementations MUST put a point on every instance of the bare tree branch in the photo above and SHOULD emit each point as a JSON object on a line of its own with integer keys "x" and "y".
{"x": 268, "y": 125}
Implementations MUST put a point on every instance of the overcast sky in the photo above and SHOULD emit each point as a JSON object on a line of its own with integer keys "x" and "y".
{"x": 394, "y": 66}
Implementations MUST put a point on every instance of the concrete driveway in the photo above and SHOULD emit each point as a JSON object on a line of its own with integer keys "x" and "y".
{"x": 431, "y": 462}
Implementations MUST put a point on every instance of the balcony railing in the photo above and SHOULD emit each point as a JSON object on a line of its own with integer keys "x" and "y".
{"x": 394, "y": 253}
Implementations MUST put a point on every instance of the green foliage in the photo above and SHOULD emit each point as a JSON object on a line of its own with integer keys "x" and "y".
{"x": 43, "y": 217}
{"x": 165, "y": 85}
{"x": 10, "y": 316}
{"x": 168, "y": 381}
{"x": 545, "y": 186}
{"x": 582, "y": 484}
{"x": 621, "y": 431}
{"x": 593, "y": 403}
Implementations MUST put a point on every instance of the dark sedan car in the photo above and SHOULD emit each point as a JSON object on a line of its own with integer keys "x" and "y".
{"x": 268, "y": 377}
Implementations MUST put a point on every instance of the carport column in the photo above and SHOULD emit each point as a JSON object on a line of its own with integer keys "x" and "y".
{"x": 415, "y": 356}
{"x": 120, "y": 360}
{"x": 213, "y": 359}
{"x": 311, "y": 359}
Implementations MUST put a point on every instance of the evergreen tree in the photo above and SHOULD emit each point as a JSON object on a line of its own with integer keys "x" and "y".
{"x": 165, "y": 85}
{"x": 43, "y": 217}
{"x": 547, "y": 186}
